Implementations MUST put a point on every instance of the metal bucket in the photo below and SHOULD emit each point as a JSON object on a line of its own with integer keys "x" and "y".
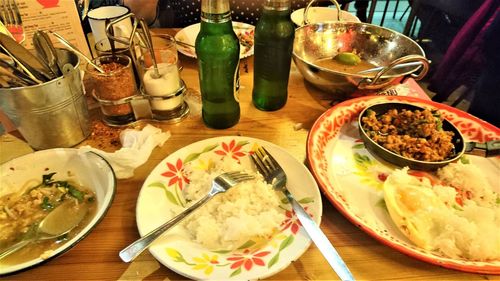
{"x": 52, "y": 114}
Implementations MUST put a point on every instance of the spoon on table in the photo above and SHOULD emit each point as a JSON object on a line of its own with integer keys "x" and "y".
{"x": 58, "y": 222}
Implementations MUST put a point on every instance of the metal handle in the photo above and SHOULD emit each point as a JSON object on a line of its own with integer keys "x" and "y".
{"x": 306, "y": 11}
{"x": 133, "y": 250}
{"x": 368, "y": 83}
{"x": 409, "y": 58}
{"x": 319, "y": 238}
{"x": 75, "y": 49}
{"x": 398, "y": 66}
{"x": 15, "y": 247}
{"x": 487, "y": 149}
{"x": 109, "y": 28}
{"x": 149, "y": 44}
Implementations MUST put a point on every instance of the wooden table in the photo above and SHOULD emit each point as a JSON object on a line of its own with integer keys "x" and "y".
{"x": 96, "y": 257}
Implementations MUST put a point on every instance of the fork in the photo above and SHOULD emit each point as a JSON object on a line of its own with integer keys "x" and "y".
{"x": 220, "y": 184}
{"x": 12, "y": 20}
{"x": 274, "y": 174}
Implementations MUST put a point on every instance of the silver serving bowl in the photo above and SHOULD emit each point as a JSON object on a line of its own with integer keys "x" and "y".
{"x": 374, "y": 44}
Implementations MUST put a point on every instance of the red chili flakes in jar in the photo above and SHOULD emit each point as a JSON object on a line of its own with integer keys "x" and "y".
{"x": 116, "y": 83}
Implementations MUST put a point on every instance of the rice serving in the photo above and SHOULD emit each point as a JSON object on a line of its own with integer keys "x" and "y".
{"x": 457, "y": 216}
{"x": 248, "y": 211}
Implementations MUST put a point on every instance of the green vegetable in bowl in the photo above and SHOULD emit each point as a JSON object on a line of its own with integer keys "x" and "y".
{"x": 347, "y": 58}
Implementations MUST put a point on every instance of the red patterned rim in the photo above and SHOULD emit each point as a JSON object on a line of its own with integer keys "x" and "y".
{"x": 325, "y": 130}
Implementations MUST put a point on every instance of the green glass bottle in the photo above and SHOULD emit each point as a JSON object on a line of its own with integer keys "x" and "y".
{"x": 218, "y": 52}
{"x": 274, "y": 35}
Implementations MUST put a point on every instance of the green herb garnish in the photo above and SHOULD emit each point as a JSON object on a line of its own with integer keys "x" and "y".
{"x": 46, "y": 205}
{"x": 75, "y": 192}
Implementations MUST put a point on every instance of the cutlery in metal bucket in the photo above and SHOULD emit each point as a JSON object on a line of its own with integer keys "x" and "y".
{"x": 26, "y": 80}
{"x": 29, "y": 62}
{"x": 46, "y": 51}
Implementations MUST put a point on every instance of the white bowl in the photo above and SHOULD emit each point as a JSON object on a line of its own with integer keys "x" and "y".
{"x": 322, "y": 14}
{"x": 84, "y": 168}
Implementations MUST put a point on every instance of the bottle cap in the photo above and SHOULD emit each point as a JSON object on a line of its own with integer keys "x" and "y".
{"x": 279, "y": 5}
{"x": 215, "y": 6}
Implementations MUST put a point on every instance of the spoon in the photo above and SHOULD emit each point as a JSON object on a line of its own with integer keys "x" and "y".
{"x": 75, "y": 49}
{"x": 149, "y": 45}
{"x": 58, "y": 222}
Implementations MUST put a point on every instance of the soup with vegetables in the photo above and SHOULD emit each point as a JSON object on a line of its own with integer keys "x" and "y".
{"x": 21, "y": 212}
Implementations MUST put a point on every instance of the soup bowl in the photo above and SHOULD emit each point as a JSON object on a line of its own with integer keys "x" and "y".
{"x": 85, "y": 169}
{"x": 375, "y": 45}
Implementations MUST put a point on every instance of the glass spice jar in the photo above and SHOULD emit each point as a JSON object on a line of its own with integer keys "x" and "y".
{"x": 115, "y": 88}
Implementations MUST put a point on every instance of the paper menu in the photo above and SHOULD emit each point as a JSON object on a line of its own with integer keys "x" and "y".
{"x": 60, "y": 16}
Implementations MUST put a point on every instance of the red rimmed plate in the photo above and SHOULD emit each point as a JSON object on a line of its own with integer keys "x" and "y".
{"x": 352, "y": 178}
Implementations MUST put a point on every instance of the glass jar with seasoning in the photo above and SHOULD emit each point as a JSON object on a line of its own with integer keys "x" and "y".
{"x": 114, "y": 89}
{"x": 163, "y": 85}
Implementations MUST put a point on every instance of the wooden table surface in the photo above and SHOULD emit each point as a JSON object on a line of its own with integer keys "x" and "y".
{"x": 96, "y": 257}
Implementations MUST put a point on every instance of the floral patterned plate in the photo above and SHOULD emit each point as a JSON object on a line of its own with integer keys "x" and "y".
{"x": 352, "y": 178}
{"x": 161, "y": 197}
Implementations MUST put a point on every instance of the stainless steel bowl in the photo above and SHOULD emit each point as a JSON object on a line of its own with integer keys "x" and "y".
{"x": 374, "y": 44}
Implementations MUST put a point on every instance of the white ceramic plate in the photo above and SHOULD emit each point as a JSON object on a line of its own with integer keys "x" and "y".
{"x": 89, "y": 170}
{"x": 159, "y": 198}
{"x": 189, "y": 33}
{"x": 352, "y": 178}
{"x": 322, "y": 14}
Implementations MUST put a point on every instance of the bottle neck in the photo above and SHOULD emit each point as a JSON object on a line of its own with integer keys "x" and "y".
{"x": 277, "y": 5}
{"x": 215, "y": 11}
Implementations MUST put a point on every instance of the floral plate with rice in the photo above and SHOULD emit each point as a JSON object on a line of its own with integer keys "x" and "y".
{"x": 161, "y": 197}
{"x": 352, "y": 178}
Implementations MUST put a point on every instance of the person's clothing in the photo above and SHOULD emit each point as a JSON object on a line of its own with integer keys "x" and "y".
{"x": 464, "y": 59}
{"x": 487, "y": 92}
{"x": 361, "y": 7}
{"x": 187, "y": 12}
{"x": 181, "y": 13}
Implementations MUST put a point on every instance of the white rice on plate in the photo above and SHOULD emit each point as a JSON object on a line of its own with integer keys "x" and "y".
{"x": 433, "y": 218}
{"x": 248, "y": 211}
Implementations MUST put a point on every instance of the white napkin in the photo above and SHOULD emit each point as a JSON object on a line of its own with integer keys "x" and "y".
{"x": 136, "y": 149}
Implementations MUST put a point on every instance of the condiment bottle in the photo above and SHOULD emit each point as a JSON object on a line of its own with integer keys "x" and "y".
{"x": 218, "y": 51}
{"x": 274, "y": 36}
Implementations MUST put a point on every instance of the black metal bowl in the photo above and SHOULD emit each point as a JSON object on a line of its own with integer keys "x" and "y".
{"x": 399, "y": 160}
